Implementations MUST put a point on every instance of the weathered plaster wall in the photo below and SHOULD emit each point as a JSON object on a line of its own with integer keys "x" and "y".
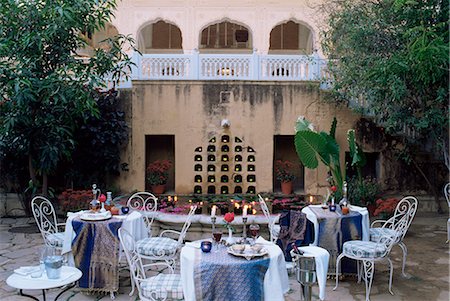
{"x": 193, "y": 110}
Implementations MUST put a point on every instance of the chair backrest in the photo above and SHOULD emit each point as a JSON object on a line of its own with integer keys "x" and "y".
{"x": 447, "y": 193}
{"x": 407, "y": 207}
{"x": 137, "y": 270}
{"x": 187, "y": 224}
{"x": 389, "y": 240}
{"x": 270, "y": 221}
{"x": 147, "y": 204}
{"x": 45, "y": 216}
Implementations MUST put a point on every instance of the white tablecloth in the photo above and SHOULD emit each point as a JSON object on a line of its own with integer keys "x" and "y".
{"x": 364, "y": 221}
{"x": 132, "y": 222}
{"x": 276, "y": 282}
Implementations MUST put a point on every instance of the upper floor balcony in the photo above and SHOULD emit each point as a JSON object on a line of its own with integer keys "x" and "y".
{"x": 255, "y": 67}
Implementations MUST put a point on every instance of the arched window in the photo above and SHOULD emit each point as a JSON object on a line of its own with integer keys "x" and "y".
{"x": 225, "y": 35}
{"x": 291, "y": 36}
{"x": 160, "y": 36}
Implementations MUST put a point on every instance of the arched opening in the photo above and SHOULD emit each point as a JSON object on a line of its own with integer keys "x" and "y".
{"x": 225, "y": 36}
{"x": 95, "y": 40}
{"x": 155, "y": 37}
{"x": 291, "y": 37}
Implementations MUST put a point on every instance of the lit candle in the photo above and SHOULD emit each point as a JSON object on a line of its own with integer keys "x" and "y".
{"x": 311, "y": 198}
{"x": 236, "y": 205}
{"x": 190, "y": 201}
{"x": 175, "y": 199}
{"x": 169, "y": 199}
{"x": 254, "y": 211}
{"x": 213, "y": 211}
{"x": 244, "y": 214}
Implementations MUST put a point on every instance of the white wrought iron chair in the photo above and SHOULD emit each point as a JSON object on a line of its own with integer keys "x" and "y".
{"x": 45, "y": 216}
{"x": 164, "y": 248}
{"x": 274, "y": 230}
{"x": 447, "y": 197}
{"x": 370, "y": 251}
{"x": 147, "y": 204}
{"x": 160, "y": 287}
{"x": 407, "y": 207}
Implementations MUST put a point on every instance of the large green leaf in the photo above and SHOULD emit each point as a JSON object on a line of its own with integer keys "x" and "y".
{"x": 309, "y": 146}
{"x": 356, "y": 152}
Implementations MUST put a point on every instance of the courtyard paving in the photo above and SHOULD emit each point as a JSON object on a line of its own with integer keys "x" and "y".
{"x": 427, "y": 267}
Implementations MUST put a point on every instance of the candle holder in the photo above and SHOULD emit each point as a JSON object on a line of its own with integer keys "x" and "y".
{"x": 244, "y": 220}
{"x": 213, "y": 221}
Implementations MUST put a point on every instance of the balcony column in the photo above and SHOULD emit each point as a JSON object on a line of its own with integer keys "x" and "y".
{"x": 256, "y": 72}
{"x": 194, "y": 70}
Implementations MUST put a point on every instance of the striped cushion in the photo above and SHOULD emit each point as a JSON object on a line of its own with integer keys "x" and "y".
{"x": 157, "y": 246}
{"x": 56, "y": 239}
{"x": 162, "y": 287}
{"x": 364, "y": 249}
{"x": 376, "y": 233}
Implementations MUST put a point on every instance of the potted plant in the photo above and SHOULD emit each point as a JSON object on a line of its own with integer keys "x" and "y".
{"x": 284, "y": 171}
{"x": 157, "y": 175}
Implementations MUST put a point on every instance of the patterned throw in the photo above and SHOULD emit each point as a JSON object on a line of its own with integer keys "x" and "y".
{"x": 336, "y": 228}
{"x": 96, "y": 254}
{"x": 219, "y": 276}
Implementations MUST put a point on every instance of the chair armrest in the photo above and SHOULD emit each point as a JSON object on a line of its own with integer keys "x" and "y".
{"x": 163, "y": 233}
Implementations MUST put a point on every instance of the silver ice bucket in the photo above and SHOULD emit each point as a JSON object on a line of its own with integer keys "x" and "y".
{"x": 53, "y": 265}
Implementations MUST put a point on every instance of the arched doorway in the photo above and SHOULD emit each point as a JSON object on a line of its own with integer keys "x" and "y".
{"x": 291, "y": 37}
{"x": 160, "y": 37}
{"x": 225, "y": 36}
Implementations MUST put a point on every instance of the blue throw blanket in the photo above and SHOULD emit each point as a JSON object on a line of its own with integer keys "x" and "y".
{"x": 96, "y": 251}
{"x": 224, "y": 277}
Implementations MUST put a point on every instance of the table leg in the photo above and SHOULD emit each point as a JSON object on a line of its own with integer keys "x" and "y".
{"x": 63, "y": 291}
{"x": 32, "y": 297}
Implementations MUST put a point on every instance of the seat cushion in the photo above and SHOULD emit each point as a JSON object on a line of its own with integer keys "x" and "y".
{"x": 157, "y": 246}
{"x": 56, "y": 239}
{"x": 376, "y": 233}
{"x": 163, "y": 286}
{"x": 364, "y": 249}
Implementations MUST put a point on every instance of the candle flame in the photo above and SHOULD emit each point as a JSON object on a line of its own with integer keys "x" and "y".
{"x": 254, "y": 211}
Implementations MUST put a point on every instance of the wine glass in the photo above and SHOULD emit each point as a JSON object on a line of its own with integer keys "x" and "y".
{"x": 254, "y": 231}
{"x": 217, "y": 235}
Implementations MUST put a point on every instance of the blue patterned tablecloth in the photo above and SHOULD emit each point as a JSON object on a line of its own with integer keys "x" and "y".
{"x": 96, "y": 252}
{"x": 219, "y": 276}
{"x": 336, "y": 228}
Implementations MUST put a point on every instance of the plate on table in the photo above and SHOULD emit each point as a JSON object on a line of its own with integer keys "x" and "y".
{"x": 248, "y": 252}
{"x": 93, "y": 217}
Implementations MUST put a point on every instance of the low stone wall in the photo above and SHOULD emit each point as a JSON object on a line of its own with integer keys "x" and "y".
{"x": 201, "y": 225}
{"x": 11, "y": 205}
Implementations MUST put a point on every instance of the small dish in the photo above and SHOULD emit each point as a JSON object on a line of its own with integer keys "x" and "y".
{"x": 238, "y": 248}
{"x": 256, "y": 248}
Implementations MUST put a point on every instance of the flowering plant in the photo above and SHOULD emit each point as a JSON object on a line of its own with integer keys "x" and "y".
{"x": 385, "y": 207}
{"x": 284, "y": 171}
{"x": 74, "y": 200}
{"x": 157, "y": 172}
{"x": 228, "y": 218}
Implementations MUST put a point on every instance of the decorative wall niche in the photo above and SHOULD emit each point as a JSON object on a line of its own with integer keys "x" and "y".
{"x": 228, "y": 159}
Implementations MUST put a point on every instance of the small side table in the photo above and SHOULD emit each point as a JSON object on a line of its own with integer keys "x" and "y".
{"x": 22, "y": 282}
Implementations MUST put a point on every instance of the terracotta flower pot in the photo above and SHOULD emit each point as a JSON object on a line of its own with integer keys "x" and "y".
{"x": 286, "y": 187}
{"x": 158, "y": 189}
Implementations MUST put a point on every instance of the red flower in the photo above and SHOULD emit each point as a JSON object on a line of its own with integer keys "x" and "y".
{"x": 333, "y": 188}
{"x": 102, "y": 198}
{"x": 229, "y": 217}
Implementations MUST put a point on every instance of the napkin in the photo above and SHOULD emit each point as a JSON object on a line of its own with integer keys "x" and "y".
{"x": 261, "y": 240}
{"x": 27, "y": 270}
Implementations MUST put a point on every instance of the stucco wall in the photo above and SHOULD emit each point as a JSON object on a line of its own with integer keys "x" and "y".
{"x": 193, "y": 110}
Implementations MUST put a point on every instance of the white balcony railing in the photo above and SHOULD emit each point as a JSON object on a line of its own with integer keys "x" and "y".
{"x": 229, "y": 67}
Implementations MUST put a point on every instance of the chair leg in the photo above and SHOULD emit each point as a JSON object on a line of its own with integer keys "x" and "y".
{"x": 369, "y": 269}
{"x": 358, "y": 270}
{"x": 391, "y": 268}
{"x": 405, "y": 253}
{"x": 132, "y": 284}
{"x": 338, "y": 260}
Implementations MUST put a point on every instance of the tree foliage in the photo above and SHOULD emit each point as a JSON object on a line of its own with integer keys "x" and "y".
{"x": 44, "y": 88}
{"x": 391, "y": 61}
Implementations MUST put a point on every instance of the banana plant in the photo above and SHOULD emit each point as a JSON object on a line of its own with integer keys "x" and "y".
{"x": 312, "y": 147}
